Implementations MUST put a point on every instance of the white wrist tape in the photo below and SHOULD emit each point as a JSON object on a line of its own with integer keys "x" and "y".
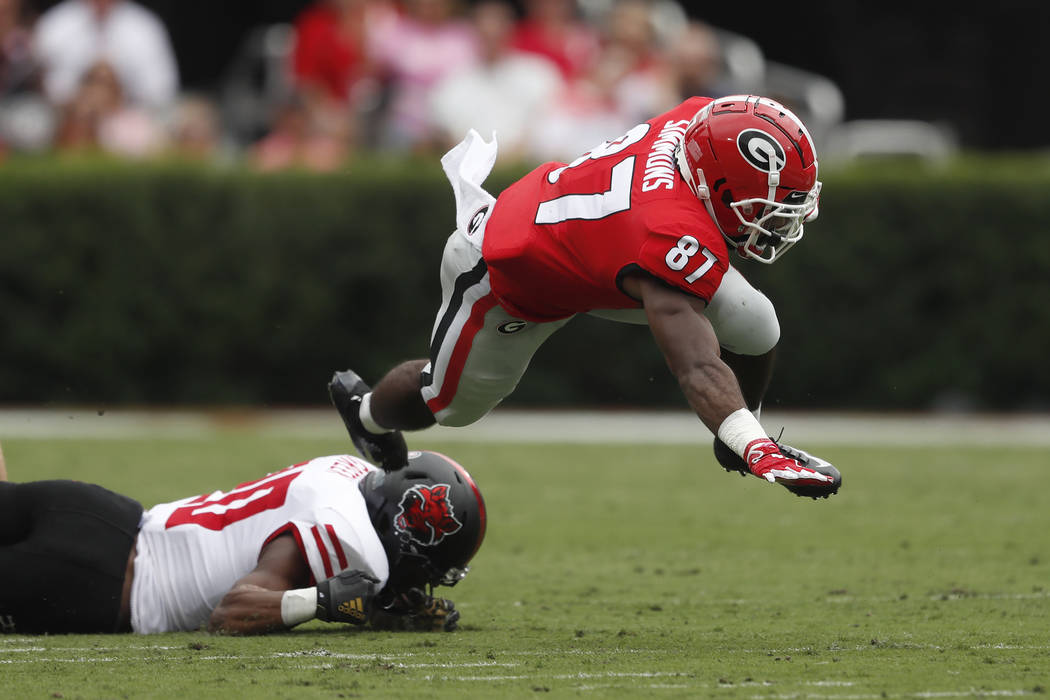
{"x": 738, "y": 430}
{"x": 298, "y": 606}
{"x": 365, "y": 414}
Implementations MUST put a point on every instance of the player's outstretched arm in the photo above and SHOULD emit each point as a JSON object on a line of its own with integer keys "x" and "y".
{"x": 690, "y": 346}
{"x": 253, "y": 604}
{"x": 276, "y": 595}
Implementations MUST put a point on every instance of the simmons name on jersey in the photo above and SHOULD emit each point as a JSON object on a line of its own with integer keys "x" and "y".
{"x": 617, "y": 208}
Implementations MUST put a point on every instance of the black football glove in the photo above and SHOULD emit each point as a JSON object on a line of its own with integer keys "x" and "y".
{"x": 346, "y": 597}
{"x": 414, "y": 610}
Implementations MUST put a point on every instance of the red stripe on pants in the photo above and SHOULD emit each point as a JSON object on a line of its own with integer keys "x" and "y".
{"x": 460, "y": 352}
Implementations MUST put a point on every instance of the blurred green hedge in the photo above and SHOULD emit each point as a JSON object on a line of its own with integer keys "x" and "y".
{"x": 919, "y": 286}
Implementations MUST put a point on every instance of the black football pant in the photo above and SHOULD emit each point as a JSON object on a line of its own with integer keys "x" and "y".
{"x": 64, "y": 548}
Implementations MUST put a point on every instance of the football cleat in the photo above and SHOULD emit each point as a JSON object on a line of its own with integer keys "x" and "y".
{"x": 386, "y": 450}
{"x": 732, "y": 462}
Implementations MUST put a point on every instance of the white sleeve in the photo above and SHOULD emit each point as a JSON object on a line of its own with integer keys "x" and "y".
{"x": 331, "y": 543}
{"x": 329, "y": 518}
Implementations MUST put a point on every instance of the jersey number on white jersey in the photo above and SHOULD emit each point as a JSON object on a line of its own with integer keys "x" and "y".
{"x": 218, "y": 510}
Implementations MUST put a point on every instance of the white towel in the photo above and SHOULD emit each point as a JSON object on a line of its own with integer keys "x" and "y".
{"x": 466, "y": 166}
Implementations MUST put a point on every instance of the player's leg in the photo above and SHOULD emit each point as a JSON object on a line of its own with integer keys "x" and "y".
{"x": 469, "y": 376}
{"x": 64, "y": 556}
{"x": 382, "y": 446}
{"x": 3, "y": 466}
{"x": 13, "y": 528}
{"x": 396, "y": 399}
{"x": 473, "y": 370}
{"x": 375, "y": 417}
{"x": 478, "y": 352}
{"x": 14, "y": 515}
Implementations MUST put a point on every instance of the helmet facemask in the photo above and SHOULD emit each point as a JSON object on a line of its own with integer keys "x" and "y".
{"x": 777, "y": 227}
{"x": 412, "y": 569}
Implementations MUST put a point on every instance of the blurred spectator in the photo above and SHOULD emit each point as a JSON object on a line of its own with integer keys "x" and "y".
{"x": 75, "y": 35}
{"x": 99, "y": 118}
{"x": 626, "y": 83}
{"x": 332, "y": 69}
{"x": 584, "y": 115}
{"x": 329, "y": 56}
{"x": 26, "y": 120}
{"x": 18, "y": 71}
{"x": 554, "y": 29}
{"x": 414, "y": 52}
{"x": 303, "y": 137}
{"x": 695, "y": 60}
{"x": 505, "y": 91}
{"x": 637, "y": 71}
{"x": 196, "y": 130}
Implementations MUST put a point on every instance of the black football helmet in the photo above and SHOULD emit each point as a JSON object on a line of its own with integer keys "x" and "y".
{"x": 430, "y": 517}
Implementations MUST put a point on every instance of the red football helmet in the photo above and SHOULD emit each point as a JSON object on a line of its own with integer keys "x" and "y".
{"x": 753, "y": 165}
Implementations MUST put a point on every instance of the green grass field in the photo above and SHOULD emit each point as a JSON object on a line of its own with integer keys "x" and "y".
{"x": 614, "y": 571}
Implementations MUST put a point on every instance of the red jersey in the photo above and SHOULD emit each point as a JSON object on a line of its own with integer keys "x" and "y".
{"x": 559, "y": 240}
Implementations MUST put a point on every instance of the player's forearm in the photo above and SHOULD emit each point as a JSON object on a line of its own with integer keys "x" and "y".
{"x": 252, "y": 609}
{"x": 248, "y": 609}
{"x": 690, "y": 346}
{"x": 711, "y": 390}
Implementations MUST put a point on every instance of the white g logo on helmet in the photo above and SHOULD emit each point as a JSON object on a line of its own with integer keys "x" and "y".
{"x": 761, "y": 150}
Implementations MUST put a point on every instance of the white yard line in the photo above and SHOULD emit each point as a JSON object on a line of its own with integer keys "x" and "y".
{"x": 621, "y": 427}
{"x": 686, "y": 679}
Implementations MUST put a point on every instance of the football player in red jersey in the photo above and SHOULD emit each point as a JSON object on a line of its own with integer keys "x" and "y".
{"x": 334, "y": 538}
{"x": 637, "y": 229}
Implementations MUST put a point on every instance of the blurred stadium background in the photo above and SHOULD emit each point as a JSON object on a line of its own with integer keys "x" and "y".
{"x": 905, "y": 61}
{"x": 233, "y": 232}
{"x": 168, "y": 268}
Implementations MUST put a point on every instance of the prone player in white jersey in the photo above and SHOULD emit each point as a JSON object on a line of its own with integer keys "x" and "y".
{"x": 333, "y": 538}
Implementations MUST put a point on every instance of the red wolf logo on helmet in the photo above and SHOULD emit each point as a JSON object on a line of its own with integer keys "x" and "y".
{"x": 426, "y": 514}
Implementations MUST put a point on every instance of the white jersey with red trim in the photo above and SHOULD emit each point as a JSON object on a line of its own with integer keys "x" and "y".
{"x": 191, "y": 552}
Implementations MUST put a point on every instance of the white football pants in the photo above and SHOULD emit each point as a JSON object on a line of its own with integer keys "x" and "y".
{"x": 479, "y": 352}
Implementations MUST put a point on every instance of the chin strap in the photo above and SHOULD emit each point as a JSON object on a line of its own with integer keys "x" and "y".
{"x": 703, "y": 193}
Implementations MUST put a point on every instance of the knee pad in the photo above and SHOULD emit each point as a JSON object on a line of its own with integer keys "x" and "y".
{"x": 743, "y": 318}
